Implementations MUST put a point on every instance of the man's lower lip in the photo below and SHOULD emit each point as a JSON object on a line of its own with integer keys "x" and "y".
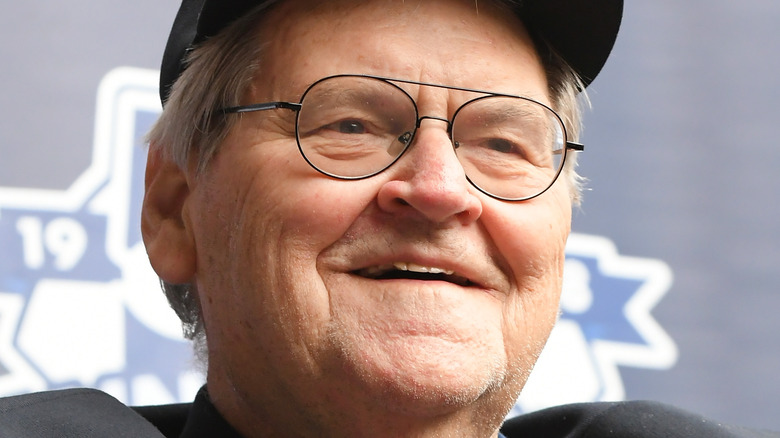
{"x": 411, "y": 279}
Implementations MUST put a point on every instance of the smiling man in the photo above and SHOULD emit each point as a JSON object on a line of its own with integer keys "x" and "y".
{"x": 359, "y": 211}
{"x": 374, "y": 248}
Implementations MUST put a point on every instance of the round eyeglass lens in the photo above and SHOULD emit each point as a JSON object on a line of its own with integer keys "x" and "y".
{"x": 510, "y": 147}
{"x": 354, "y": 127}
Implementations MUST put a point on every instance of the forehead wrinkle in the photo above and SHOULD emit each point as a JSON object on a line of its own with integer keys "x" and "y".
{"x": 508, "y": 111}
{"x": 358, "y": 55}
{"x": 356, "y": 93}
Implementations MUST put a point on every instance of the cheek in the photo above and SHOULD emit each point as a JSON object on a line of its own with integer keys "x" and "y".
{"x": 262, "y": 222}
{"x": 279, "y": 199}
{"x": 260, "y": 229}
{"x": 531, "y": 239}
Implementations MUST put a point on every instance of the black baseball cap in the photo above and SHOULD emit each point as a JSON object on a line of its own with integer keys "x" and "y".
{"x": 581, "y": 31}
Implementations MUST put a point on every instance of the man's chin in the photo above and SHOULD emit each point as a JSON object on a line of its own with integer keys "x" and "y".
{"x": 426, "y": 376}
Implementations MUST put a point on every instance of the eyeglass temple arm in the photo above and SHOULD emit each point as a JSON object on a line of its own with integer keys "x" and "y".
{"x": 261, "y": 107}
{"x": 572, "y": 146}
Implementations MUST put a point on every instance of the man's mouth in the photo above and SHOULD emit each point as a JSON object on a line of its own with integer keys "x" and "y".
{"x": 412, "y": 271}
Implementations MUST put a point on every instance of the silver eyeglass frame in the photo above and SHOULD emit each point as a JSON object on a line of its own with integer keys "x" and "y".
{"x": 296, "y": 106}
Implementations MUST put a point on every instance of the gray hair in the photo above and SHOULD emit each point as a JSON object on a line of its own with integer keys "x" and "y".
{"x": 217, "y": 75}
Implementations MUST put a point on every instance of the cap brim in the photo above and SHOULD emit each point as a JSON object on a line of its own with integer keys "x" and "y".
{"x": 582, "y": 32}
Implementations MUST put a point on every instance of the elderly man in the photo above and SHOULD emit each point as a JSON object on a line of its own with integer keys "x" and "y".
{"x": 354, "y": 207}
{"x": 359, "y": 211}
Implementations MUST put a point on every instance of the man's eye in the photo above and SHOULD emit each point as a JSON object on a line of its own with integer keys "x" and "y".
{"x": 500, "y": 145}
{"x": 348, "y": 127}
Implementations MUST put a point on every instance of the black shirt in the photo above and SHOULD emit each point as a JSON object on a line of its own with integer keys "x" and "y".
{"x": 88, "y": 413}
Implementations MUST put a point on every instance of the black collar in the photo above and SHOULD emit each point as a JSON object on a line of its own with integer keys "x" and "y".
{"x": 205, "y": 421}
{"x": 199, "y": 419}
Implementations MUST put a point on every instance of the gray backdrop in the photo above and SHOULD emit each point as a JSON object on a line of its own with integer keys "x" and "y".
{"x": 682, "y": 157}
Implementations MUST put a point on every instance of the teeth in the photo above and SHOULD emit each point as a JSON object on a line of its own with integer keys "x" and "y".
{"x": 401, "y": 266}
{"x": 374, "y": 271}
{"x": 381, "y": 270}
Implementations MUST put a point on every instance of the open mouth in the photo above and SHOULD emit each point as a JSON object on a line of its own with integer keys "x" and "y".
{"x": 411, "y": 271}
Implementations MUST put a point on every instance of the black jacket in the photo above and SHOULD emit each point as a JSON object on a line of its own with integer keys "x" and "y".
{"x": 88, "y": 413}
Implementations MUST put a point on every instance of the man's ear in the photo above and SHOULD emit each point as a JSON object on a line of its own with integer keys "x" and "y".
{"x": 165, "y": 226}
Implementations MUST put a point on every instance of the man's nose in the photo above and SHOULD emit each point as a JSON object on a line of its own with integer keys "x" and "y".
{"x": 430, "y": 181}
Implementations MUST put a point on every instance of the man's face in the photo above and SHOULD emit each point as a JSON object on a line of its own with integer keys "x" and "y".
{"x": 287, "y": 259}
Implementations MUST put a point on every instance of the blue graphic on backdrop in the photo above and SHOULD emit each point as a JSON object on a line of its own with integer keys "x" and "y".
{"x": 605, "y": 322}
{"x": 80, "y": 305}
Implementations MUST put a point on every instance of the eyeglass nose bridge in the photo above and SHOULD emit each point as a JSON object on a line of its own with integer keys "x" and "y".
{"x": 421, "y": 118}
{"x": 406, "y": 137}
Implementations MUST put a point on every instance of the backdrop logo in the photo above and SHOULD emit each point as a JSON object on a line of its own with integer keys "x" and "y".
{"x": 80, "y": 306}
{"x": 605, "y": 322}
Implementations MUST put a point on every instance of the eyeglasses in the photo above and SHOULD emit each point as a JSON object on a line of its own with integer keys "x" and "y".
{"x": 355, "y": 126}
